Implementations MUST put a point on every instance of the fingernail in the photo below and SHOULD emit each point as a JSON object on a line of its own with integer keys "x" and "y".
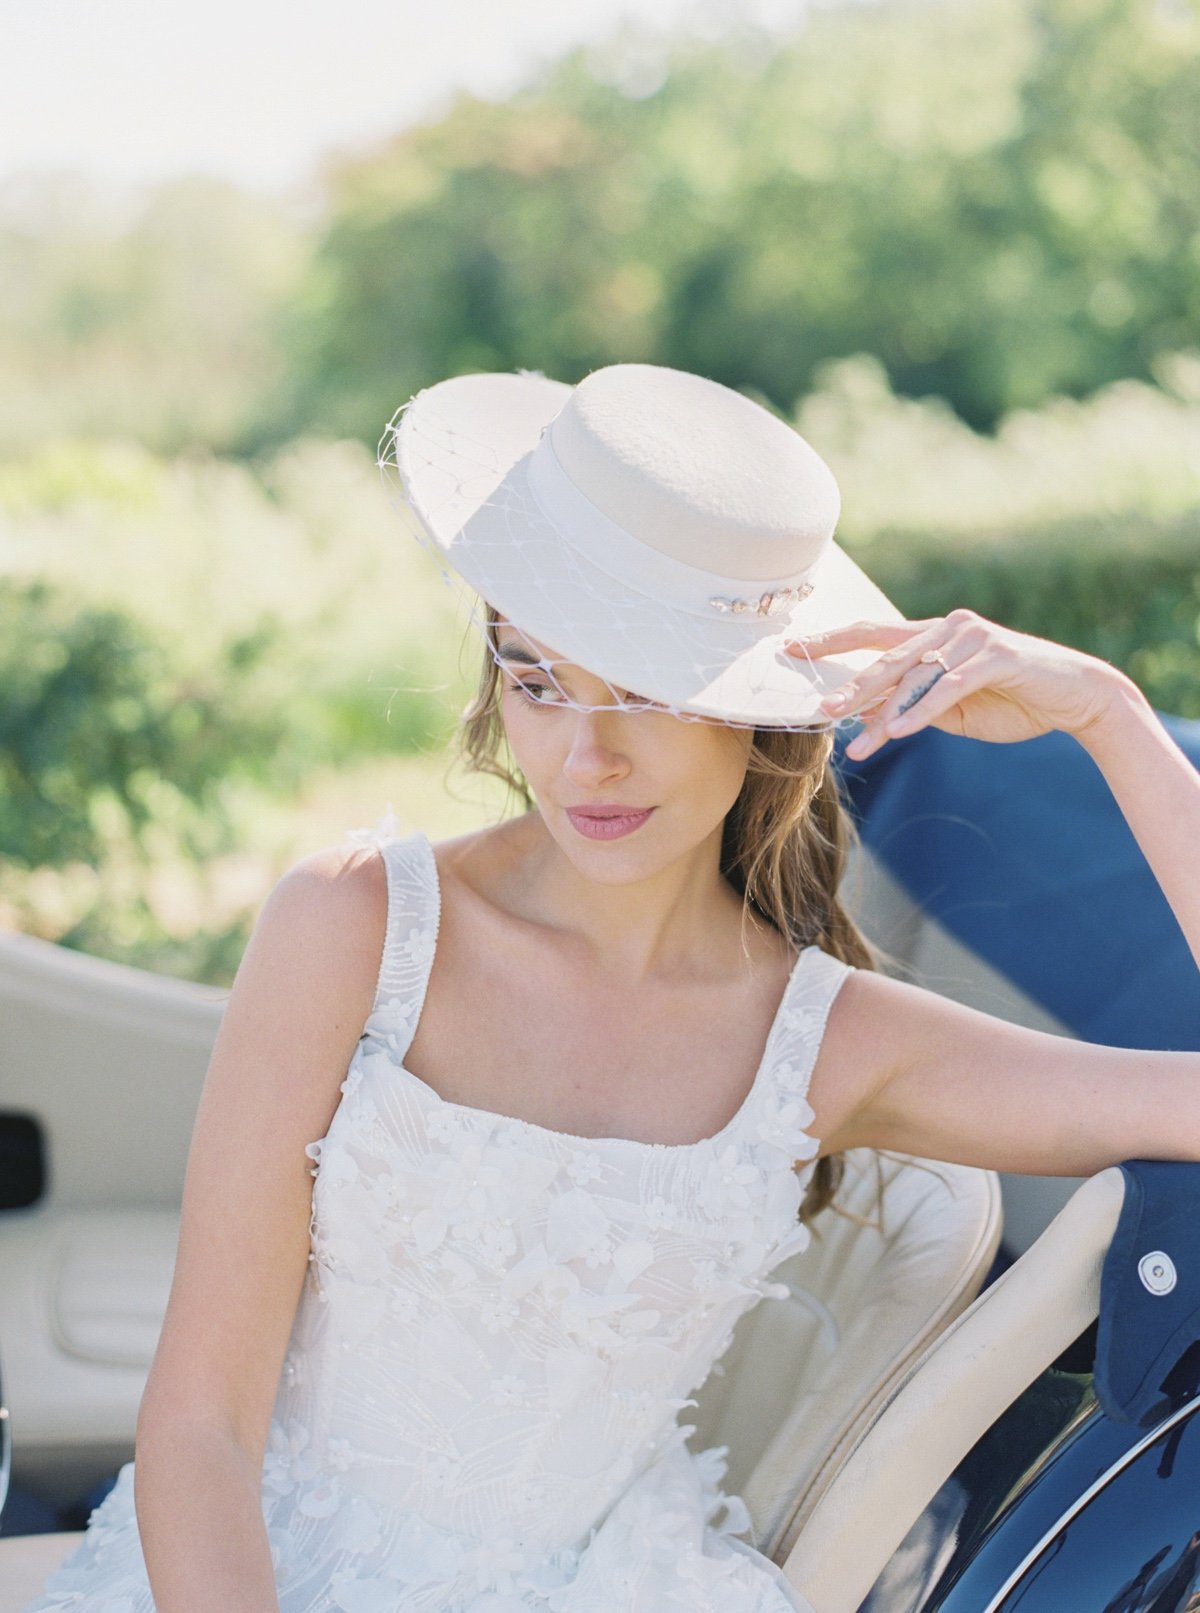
{"x": 832, "y": 700}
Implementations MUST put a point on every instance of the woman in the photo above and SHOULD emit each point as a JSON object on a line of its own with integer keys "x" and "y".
{"x": 600, "y": 1059}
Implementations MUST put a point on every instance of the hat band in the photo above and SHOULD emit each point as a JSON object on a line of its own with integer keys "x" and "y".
{"x": 603, "y": 543}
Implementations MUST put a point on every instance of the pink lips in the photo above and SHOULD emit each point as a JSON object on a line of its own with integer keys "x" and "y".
{"x": 606, "y": 823}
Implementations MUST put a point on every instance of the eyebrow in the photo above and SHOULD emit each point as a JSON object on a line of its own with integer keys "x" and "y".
{"x": 515, "y": 652}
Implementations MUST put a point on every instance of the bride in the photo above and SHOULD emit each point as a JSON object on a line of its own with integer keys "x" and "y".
{"x": 580, "y": 1079}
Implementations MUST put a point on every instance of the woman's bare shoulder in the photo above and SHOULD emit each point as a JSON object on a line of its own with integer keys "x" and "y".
{"x": 321, "y": 928}
{"x": 336, "y": 883}
{"x": 331, "y": 905}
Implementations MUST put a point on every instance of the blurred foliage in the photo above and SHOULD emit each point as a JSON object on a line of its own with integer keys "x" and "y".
{"x": 186, "y": 642}
{"x": 1079, "y": 522}
{"x": 194, "y": 650}
{"x": 297, "y": 554}
{"x": 1130, "y": 452}
{"x": 957, "y": 241}
{"x": 1080, "y": 587}
{"x": 101, "y": 736}
{"x": 158, "y": 320}
{"x": 134, "y": 934}
{"x": 1000, "y": 200}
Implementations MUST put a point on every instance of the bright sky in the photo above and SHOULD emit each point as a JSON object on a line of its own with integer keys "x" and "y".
{"x": 133, "y": 91}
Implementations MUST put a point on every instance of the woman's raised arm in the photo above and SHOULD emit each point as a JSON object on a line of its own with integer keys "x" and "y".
{"x": 928, "y": 1076}
{"x": 995, "y": 684}
{"x": 1158, "y": 790}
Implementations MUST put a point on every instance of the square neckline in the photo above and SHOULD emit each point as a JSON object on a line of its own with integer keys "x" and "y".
{"x": 748, "y": 1103}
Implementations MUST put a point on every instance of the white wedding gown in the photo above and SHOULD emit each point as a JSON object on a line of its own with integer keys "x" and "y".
{"x": 498, "y": 1327}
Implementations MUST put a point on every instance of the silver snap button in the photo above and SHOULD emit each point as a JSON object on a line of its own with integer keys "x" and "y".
{"x": 1157, "y": 1272}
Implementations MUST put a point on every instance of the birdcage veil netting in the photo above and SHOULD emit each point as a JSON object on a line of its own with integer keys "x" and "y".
{"x": 551, "y": 597}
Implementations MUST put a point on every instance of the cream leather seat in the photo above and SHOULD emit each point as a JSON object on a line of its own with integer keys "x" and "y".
{"x": 25, "y": 1562}
{"x": 84, "y": 1297}
{"x": 109, "y": 1061}
{"x": 904, "y": 1253}
{"x": 936, "y": 1412}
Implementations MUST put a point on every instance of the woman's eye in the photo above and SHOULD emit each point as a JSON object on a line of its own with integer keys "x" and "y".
{"x": 535, "y": 694}
{"x": 534, "y": 691}
{"x": 639, "y": 702}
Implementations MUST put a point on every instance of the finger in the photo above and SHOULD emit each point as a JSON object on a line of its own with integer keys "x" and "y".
{"x": 941, "y": 696}
{"x": 921, "y": 697}
{"x": 863, "y": 743}
{"x": 862, "y": 635}
{"x": 947, "y": 691}
{"x": 881, "y": 677}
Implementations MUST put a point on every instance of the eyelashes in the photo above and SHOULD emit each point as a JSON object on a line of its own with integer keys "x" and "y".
{"x": 526, "y": 691}
{"x": 531, "y": 694}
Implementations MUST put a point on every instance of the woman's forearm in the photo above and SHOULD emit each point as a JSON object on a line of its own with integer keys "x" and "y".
{"x": 198, "y": 1497}
{"x": 1158, "y": 790}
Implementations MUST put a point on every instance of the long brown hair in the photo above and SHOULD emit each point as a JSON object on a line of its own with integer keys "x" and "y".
{"x": 784, "y": 847}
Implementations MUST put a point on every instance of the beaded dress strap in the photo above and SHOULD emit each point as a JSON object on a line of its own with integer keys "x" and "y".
{"x": 412, "y": 922}
{"x": 413, "y": 915}
{"x": 800, "y": 1027}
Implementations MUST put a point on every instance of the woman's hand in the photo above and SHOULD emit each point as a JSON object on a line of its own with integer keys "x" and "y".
{"x": 1001, "y": 685}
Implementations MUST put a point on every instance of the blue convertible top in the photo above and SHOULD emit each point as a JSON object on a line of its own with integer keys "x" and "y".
{"x": 1021, "y": 852}
{"x": 1146, "y": 1343}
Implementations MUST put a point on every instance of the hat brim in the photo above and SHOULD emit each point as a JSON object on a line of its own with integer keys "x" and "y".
{"x": 461, "y": 449}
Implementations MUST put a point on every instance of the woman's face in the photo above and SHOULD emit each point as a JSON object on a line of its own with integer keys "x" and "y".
{"x": 686, "y": 773}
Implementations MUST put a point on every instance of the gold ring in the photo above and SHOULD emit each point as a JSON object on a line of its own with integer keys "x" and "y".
{"x": 936, "y": 655}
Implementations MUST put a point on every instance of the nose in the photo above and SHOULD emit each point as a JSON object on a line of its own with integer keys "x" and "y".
{"x": 594, "y": 757}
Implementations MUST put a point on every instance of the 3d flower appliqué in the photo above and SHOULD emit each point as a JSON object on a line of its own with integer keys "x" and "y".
{"x": 289, "y": 1459}
{"x": 584, "y": 1166}
{"x": 728, "y": 1182}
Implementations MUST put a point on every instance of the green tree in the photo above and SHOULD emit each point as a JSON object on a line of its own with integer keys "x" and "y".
{"x": 99, "y": 739}
{"x": 1001, "y": 201}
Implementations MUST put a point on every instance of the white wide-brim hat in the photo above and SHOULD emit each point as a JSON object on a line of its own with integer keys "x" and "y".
{"x": 655, "y": 528}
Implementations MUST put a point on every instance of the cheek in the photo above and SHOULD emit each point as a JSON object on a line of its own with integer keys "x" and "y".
{"x": 530, "y": 735}
{"x": 714, "y": 760}
{"x": 731, "y": 761}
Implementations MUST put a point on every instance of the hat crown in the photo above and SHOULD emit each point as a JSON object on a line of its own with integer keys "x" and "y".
{"x": 696, "y": 471}
{"x": 663, "y": 531}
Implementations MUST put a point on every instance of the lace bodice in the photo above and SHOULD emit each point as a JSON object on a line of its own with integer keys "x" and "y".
{"x": 500, "y": 1324}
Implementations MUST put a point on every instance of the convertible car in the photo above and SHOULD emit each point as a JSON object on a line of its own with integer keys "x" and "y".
{"x": 980, "y": 1398}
